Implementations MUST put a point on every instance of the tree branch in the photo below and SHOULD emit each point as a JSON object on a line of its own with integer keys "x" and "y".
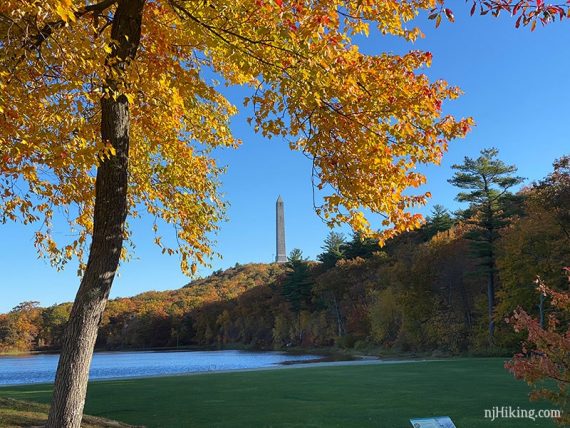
{"x": 50, "y": 27}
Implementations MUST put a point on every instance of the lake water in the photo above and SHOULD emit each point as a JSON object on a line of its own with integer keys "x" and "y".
{"x": 40, "y": 368}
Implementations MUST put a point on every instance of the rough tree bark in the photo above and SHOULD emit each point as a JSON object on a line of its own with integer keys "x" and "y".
{"x": 108, "y": 230}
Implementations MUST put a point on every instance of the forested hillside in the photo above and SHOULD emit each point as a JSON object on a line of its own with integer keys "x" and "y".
{"x": 426, "y": 290}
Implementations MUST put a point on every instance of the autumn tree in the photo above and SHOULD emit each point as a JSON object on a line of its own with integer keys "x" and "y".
{"x": 106, "y": 112}
{"x": 553, "y": 193}
{"x": 343, "y": 291}
{"x": 526, "y": 12}
{"x": 530, "y": 246}
{"x": 487, "y": 181}
{"x": 54, "y": 320}
{"x": 543, "y": 361}
{"x": 537, "y": 243}
{"x": 21, "y": 327}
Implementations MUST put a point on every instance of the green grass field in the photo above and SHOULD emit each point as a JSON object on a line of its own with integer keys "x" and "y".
{"x": 343, "y": 396}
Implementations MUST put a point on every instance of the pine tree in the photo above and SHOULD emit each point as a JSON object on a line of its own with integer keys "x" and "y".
{"x": 333, "y": 249}
{"x": 361, "y": 246}
{"x": 298, "y": 285}
{"x": 439, "y": 220}
{"x": 487, "y": 181}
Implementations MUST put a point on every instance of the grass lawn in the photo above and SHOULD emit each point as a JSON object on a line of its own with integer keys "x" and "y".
{"x": 343, "y": 396}
{"x": 16, "y": 413}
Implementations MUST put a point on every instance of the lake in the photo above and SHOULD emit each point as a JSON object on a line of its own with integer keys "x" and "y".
{"x": 40, "y": 368}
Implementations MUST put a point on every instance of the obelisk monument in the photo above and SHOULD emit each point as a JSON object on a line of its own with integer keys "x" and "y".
{"x": 281, "y": 254}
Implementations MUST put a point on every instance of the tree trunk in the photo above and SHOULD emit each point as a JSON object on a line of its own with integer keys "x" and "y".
{"x": 338, "y": 315}
{"x": 490, "y": 222}
{"x": 108, "y": 231}
{"x": 491, "y": 298}
{"x": 541, "y": 309}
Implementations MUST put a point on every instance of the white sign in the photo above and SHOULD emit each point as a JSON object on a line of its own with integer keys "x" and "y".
{"x": 437, "y": 422}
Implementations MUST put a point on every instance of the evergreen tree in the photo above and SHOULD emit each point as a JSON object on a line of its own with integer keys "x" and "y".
{"x": 297, "y": 285}
{"x": 439, "y": 220}
{"x": 554, "y": 192}
{"x": 361, "y": 247}
{"x": 487, "y": 182}
{"x": 333, "y": 249}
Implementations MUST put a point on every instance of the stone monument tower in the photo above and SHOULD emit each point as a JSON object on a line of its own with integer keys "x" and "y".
{"x": 280, "y": 254}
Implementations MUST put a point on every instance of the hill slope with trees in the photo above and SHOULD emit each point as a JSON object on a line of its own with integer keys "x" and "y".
{"x": 426, "y": 290}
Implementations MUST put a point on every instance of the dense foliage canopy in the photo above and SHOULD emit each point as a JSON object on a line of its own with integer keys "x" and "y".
{"x": 365, "y": 121}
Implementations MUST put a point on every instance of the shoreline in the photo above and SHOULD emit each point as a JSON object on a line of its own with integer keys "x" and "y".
{"x": 333, "y": 352}
{"x": 307, "y": 364}
{"x": 188, "y": 348}
{"x": 276, "y": 367}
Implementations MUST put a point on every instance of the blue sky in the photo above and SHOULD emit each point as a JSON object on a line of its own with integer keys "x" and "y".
{"x": 516, "y": 87}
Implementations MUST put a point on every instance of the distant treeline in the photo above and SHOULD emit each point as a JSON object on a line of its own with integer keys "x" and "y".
{"x": 426, "y": 290}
